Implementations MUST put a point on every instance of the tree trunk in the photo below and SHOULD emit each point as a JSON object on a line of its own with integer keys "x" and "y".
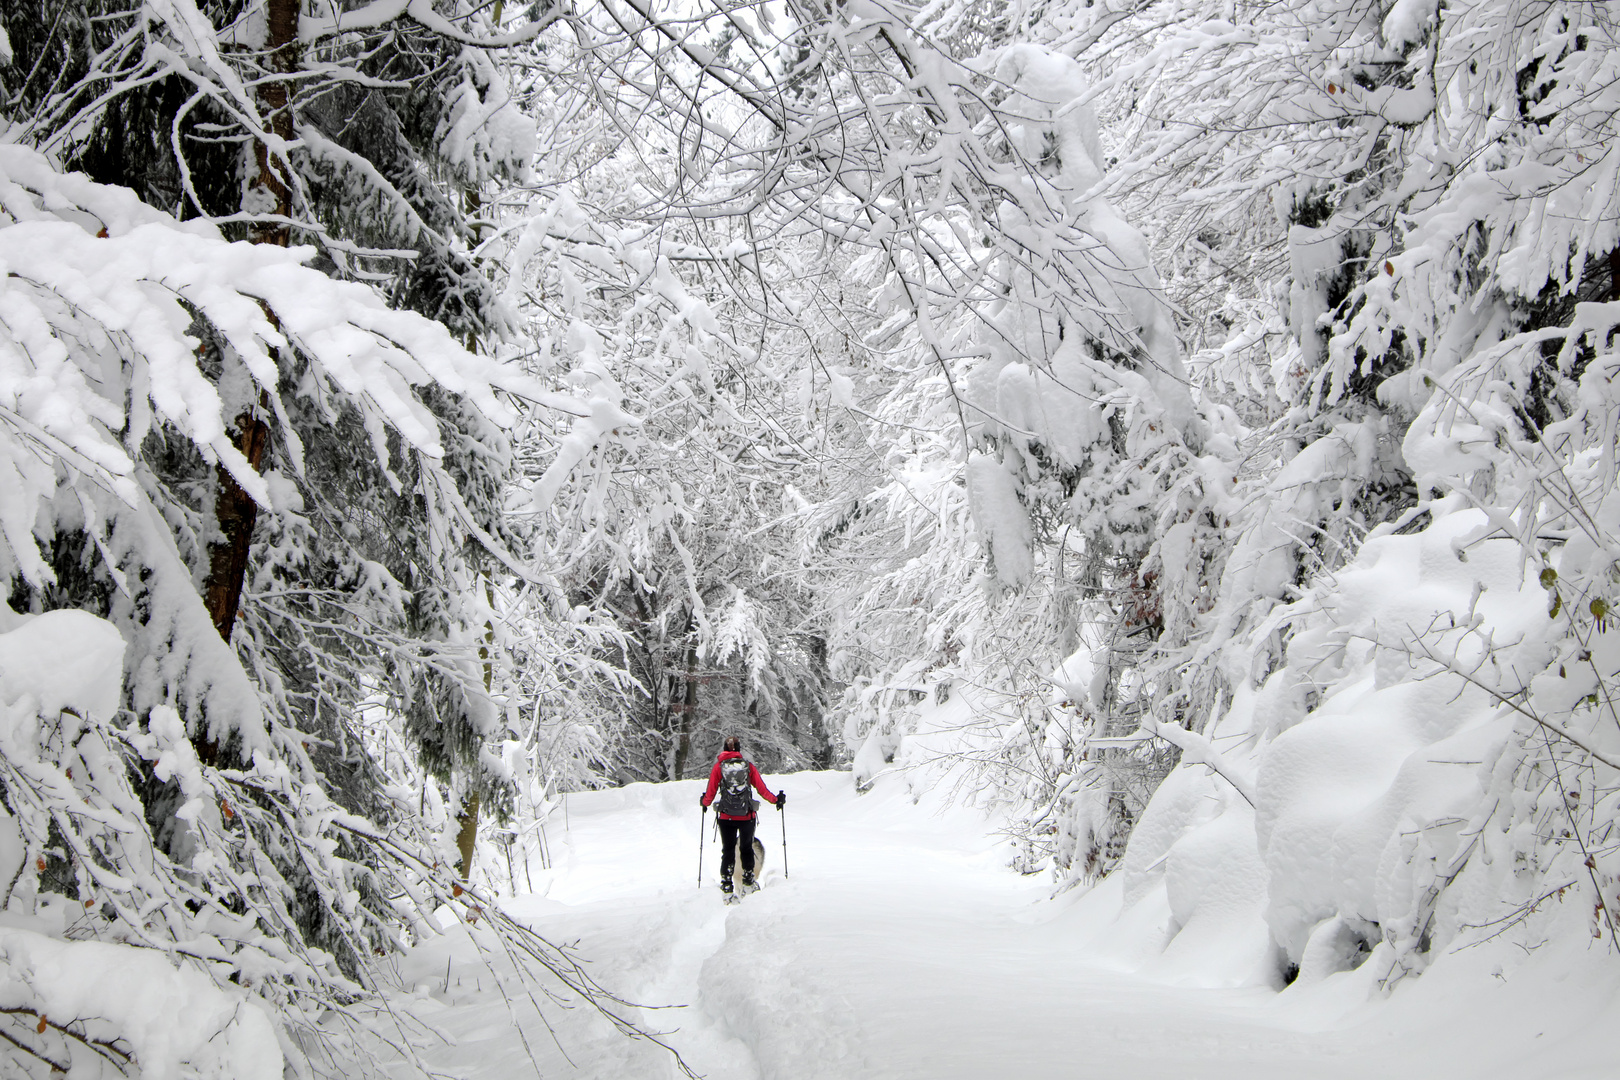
{"x": 688, "y": 710}
{"x": 275, "y": 98}
{"x": 235, "y": 512}
{"x": 467, "y": 838}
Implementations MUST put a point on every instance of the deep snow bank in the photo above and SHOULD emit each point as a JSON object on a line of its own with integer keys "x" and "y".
{"x": 903, "y": 947}
{"x": 1404, "y": 803}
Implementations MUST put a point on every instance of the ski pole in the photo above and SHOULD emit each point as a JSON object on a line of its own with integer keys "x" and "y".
{"x": 783, "y": 811}
{"x": 703, "y": 827}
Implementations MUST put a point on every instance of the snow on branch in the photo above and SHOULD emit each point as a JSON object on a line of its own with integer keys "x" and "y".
{"x": 380, "y": 13}
{"x": 77, "y": 298}
{"x": 1198, "y": 749}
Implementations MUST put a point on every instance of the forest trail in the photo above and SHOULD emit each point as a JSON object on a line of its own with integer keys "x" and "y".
{"x": 902, "y": 948}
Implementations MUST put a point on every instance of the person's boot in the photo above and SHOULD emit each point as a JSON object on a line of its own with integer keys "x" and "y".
{"x": 725, "y": 884}
{"x": 748, "y": 880}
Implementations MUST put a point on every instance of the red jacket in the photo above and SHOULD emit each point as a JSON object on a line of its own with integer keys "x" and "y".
{"x": 714, "y": 785}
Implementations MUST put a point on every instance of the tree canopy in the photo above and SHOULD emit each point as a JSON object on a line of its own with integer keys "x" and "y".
{"x": 446, "y": 405}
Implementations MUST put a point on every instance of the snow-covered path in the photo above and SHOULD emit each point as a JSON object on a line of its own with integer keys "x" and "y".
{"x": 901, "y": 948}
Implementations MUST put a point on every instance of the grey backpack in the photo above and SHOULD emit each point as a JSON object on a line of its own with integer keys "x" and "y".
{"x": 734, "y": 798}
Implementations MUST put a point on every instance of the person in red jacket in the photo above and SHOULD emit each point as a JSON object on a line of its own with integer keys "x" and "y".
{"x": 732, "y": 776}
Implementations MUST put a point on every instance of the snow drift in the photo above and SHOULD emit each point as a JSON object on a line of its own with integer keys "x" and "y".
{"x": 1413, "y": 785}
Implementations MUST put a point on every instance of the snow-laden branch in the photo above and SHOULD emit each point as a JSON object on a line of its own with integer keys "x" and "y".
{"x": 1198, "y": 749}
{"x": 381, "y": 13}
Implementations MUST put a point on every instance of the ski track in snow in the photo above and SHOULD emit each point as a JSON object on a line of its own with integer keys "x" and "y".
{"x": 902, "y": 948}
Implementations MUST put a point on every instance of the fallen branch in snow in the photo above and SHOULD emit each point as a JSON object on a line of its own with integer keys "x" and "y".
{"x": 517, "y": 940}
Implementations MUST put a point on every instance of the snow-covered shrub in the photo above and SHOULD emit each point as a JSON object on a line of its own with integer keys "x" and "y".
{"x": 1413, "y": 717}
{"x": 1434, "y": 762}
{"x": 172, "y": 948}
{"x": 125, "y": 964}
{"x": 1065, "y": 392}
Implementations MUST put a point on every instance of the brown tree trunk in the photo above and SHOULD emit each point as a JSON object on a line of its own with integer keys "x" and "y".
{"x": 236, "y": 513}
{"x": 275, "y": 98}
{"x": 234, "y": 510}
{"x": 467, "y": 838}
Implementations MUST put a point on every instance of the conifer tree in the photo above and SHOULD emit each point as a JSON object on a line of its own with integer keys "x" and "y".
{"x": 371, "y": 133}
{"x": 331, "y": 524}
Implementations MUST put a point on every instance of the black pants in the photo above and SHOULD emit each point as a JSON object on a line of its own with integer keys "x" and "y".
{"x": 735, "y": 834}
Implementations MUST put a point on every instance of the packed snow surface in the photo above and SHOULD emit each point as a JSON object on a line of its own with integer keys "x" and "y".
{"x": 902, "y": 946}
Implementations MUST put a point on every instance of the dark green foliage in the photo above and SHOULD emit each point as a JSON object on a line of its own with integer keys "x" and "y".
{"x": 394, "y": 128}
{"x": 359, "y": 591}
{"x": 1545, "y": 399}
{"x": 68, "y": 56}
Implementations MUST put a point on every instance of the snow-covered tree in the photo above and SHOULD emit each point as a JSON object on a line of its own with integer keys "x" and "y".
{"x": 374, "y": 132}
{"x": 126, "y": 333}
{"x": 665, "y": 502}
{"x": 1429, "y": 186}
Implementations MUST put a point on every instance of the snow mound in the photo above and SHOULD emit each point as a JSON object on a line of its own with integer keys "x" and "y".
{"x": 1372, "y": 809}
{"x": 167, "y": 1017}
{"x": 63, "y": 660}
